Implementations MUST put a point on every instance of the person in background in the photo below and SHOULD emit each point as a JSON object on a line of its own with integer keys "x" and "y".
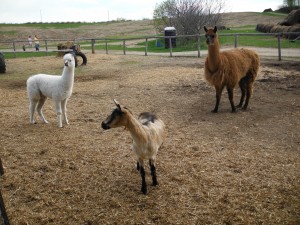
{"x": 36, "y": 43}
{"x": 30, "y": 41}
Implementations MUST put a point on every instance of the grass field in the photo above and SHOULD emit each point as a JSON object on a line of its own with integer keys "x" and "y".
{"x": 138, "y": 29}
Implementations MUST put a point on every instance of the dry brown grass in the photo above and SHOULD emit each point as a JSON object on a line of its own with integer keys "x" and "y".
{"x": 127, "y": 28}
{"x": 220, "y": 168}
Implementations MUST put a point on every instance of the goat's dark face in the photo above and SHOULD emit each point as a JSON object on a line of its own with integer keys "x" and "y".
{"x": 210, "y": 35}
{"x": 116, "y": 119}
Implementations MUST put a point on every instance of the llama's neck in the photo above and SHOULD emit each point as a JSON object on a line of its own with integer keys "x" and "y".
{"x": 213, "y": 56}
{"x": 68, "y": 78}
{"x": 136, "y": 129}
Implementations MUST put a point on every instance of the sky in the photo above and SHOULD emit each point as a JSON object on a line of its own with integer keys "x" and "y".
{"x": 16, "y": 11}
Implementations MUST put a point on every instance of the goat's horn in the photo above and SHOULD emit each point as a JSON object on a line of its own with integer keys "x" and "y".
{"x": 117, "y": 103}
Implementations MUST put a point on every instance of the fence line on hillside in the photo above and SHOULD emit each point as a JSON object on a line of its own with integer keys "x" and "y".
{"x": 93, "y": 43}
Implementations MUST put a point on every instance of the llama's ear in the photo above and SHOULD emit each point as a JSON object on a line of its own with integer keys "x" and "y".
{"x": 215, "y": 29}
{"x": 205, "y": 29}
{"x": 117, "y": 104}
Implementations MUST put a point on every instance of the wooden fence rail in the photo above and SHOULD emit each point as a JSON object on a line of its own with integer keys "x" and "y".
{"x": 93, "y": 42}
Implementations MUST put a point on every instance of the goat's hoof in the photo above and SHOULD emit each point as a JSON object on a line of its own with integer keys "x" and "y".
{"x": 214, "y": 111}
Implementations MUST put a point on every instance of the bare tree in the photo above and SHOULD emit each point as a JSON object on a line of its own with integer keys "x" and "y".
{"x": 187, "y": 16}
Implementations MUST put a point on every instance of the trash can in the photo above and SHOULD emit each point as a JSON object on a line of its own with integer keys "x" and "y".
{"x": 170, "y": 31}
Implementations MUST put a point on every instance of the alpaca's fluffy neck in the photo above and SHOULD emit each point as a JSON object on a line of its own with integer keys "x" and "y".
{"x": 68, "y": 77}
{"x": 213, "y": 58}
{"x": 136, "y": 129}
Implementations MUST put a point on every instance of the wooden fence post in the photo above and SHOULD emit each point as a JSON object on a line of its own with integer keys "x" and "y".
{"x": 124, "y": 47}
{"x": 235, "y": 40}
{"x": 170, "y": 46}
{"x": 2, "y": 207}
{"x": 106, "y": 46}
{"x": 93, "y": 46}
{"x": 146, "y": 47}
{"x": 199, "y": 46}
{"x": 46, "y": 44}
{"x": 14, "y": 46}
{"x": 279, "y": 47}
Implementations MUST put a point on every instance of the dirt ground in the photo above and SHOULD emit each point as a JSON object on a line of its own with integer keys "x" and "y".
{"x": 224, "y": 168}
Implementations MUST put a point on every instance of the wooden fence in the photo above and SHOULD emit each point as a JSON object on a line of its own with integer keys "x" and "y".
{"x": 15, "y": 45}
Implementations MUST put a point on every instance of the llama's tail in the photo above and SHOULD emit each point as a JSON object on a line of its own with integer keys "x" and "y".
{"x": 254, "y": 65}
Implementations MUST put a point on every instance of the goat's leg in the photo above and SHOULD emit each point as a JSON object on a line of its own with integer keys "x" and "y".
{"x": 153, "y": 172}
{"x": 32, "y": 107}
{"x": 64, "y": 110}
{"x": 138, "y": 166}
{"x": 143, "y": 175}
{"x": 218, "y": 98}
{"x": 40, "y": 107}
{"x": 230, "y": 96}
{"x": 58, "y": 111}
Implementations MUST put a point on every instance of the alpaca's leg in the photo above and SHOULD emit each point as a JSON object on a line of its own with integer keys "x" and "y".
{"x": 243, "y": 91}
{"x": 32, "y": 107}
{"x": 58, "y": 111}
{"x": 40, "y": 107}
{"x": 230, "y": 96}
{"x": 64, "y": 110}
{"x": 143, "y": 175}
{"x": 153, "y": 172}
{"x": 218, "y": 98}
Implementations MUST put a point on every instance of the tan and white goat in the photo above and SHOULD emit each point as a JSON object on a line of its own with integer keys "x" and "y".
{"x": 147, "y": 132}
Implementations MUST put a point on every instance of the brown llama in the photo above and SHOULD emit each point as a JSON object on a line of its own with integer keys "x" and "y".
{"x": 229, "y": 68}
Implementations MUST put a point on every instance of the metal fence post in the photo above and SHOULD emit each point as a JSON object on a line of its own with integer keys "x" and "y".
{"x": 279, "y": 47}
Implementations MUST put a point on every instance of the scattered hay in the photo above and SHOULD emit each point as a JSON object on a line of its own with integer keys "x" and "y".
{"x": 220, "y": 168}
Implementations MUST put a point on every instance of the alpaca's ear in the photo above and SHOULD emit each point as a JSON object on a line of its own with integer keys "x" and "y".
{"x": 205, "y": 29}
{"x": 117, "y": 104}
{"x": 215, "y": 29}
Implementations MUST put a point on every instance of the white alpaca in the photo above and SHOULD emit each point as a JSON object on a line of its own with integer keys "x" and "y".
{"x": 147, "y": 132}
{"x": 59, "y": 88}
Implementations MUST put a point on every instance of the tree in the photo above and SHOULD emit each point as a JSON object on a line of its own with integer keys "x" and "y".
{"x": 187, "y": 16}
{"x": 291, "y": 3}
